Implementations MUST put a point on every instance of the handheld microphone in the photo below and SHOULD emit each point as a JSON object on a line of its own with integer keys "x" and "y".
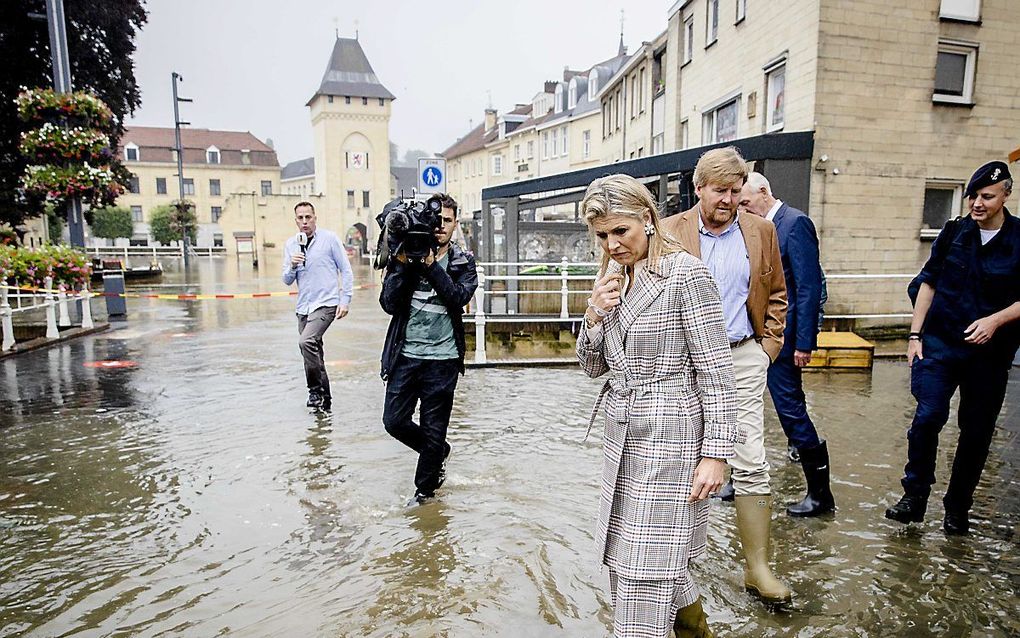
{"x": 302, "y": 240}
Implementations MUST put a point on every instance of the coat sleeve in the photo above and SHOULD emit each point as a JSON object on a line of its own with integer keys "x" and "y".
{"x": 455, "y": 292}
{"x": 397, "y": 289}
{"x": 704, "y": 330}
{"x": 775, "y": 313}
{"x": 802, "y": 253}
{"x": 590, "y": 344}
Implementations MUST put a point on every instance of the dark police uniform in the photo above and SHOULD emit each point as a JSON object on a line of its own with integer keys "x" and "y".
{"x": 971, "y": 281}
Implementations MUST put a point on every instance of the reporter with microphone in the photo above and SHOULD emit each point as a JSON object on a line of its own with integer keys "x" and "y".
{"x": 316, "y": 260}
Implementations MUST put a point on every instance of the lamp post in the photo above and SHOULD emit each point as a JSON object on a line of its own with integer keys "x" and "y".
{"x": 182, "y": 210}
{"x": 254, "y": 235}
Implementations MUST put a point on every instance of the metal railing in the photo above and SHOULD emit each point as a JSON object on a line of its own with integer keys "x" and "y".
{"x": 54, "y": 301}
{"x": 480, "y": 318}
{"x": 154, "y": 251}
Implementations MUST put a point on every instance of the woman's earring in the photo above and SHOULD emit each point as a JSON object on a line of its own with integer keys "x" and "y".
{"x": 649, "y": 229}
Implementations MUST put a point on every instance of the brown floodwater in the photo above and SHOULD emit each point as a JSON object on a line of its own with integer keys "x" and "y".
{"x": 193, "y": 494}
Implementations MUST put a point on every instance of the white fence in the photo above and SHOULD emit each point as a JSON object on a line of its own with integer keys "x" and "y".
{"x": 480, "y": 318}
{"x": 54, "y": 302}
{"x": 154, "y": 251}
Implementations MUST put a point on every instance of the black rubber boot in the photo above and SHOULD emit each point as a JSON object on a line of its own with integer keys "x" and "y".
{"x": 910, "y": 509}
{"x": 815, "y": 461}
{"x": 726, "y": 493}
{"x": 956, "y": 523}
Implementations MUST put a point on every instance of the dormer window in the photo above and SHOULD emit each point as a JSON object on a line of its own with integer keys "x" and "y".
{"x": 593, "y": 84}
{"x": 212, "y": 155}
{"x": 131, "y": 152}
{"x": 558, "y": 105}
{"x": 572, "y": 94}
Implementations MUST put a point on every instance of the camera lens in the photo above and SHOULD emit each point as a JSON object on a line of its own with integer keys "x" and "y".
{"x": 435, "y": 204}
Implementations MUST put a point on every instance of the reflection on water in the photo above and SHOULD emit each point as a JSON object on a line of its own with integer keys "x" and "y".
{"x": 194, "y": 495}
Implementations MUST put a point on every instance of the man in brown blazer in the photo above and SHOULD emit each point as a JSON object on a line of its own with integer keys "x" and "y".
{"x": 742, "y": 253}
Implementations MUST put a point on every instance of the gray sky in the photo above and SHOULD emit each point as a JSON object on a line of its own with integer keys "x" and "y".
{"x": 253, "y": 64}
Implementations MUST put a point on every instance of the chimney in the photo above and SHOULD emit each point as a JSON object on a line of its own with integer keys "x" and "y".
{"x": 490, "y": 119}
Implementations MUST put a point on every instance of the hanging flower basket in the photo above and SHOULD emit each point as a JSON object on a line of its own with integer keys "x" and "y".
{"x": 51, "y": 144}
{"x": 46, "y": 105}
{"x": 31, "y": 266}
{"x": 95, "y": 185}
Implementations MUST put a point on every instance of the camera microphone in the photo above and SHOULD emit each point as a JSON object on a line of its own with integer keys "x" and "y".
{"x": 302, "y": 240}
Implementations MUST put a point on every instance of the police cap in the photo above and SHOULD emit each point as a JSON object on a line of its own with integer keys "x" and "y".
{"x": 990, "y": 173}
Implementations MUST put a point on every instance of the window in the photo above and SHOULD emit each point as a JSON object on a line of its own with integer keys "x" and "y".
{"x": 564, "y": 145}
{"x": 942, "y": 202}
{"x": 497, "y": 164}
{"x": 330, "y": 98}
{"x": 775, "y": 98}
{"x": 688, "y": 39}
{"x": 189, "y": 186}
{"x": 555, "y": 136}
{"x": 572, "y": 94}
{"x": 382, "y": 101}
{"x": 366, "y": 201}
{"x": 586, "y": 144}
{"x": 133, "y": 185}
{"x": 531, "y": 148}
{"x": 641, "y": 90}
{"x": 558, "y": 105}
{"x": 347, "y": 99}
{"x": 245, "y": 156}
{"x": 161, "y": 186}
{"x": 214, "y": 187}
{"x": 633, "y": 96}
{"x": 267, "y": 187}
{"x": 216, "y": 212}
{"x": 545, "y": 144}
{"x": 593, "y": 84}
{"x": 131, "y": 153}
{"x": 712, "y": 25}
{"x": 364, "y": 101}
{"x": 684, "y": 135}
{"x": 136, "y": 214}
{"x": 721, "y": 123}
{"x": 212, "y": 155}
{"x": 350, "y": 199}
{"x": 969, "y": 10}
{"x": 741, "y": 10}
{"x": 517, "y": 152}
{"x": 954, "y": 72}
{"x": 657, "y": 143}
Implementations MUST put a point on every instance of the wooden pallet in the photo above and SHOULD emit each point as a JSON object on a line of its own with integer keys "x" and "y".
{"x": 842, "y": 350}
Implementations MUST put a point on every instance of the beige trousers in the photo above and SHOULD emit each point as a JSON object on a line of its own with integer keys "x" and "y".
{"x": 750, "y": 470}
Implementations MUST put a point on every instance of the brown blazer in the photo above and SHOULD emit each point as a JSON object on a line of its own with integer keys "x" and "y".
{"x": 766, "y": 296}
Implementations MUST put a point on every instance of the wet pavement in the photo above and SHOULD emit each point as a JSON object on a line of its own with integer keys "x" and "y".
{"x": 193, "y": 494}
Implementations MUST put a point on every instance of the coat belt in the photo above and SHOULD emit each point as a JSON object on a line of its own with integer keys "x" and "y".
{"x": 629, "y": 390}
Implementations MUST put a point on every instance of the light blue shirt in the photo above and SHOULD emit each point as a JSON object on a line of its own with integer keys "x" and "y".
{"x": 317, "y": 277}
{"x": 726, "y": 257}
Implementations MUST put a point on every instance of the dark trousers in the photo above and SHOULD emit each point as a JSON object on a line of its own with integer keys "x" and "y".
{"x": 311, "y": 327}
{"x": 933, "y": 380}
{"x": 432, "y": 383}
{"x": 787, "y": 389}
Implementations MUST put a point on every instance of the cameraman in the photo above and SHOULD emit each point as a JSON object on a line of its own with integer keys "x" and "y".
{"x": 424, "y": 349}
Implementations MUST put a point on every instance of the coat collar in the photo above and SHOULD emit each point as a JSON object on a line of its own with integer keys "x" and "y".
{"x": 647, "y": 286}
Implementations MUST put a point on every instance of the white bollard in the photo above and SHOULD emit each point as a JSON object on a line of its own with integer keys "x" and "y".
{"x": 480, "y": 318}
{"x": 65, "y": 317}
{"x": 6, "y": 321}
{"x": 86, "y": 310}
{"x": 564, "y": 290}
{"x": 51, "y": 310}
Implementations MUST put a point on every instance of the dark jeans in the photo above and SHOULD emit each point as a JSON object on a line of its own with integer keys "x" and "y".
{"x": 432, "y": 382}
{"x": 311, "y": 327}
{"x": 933, "y": 380}
{"x": 787, "y": 390}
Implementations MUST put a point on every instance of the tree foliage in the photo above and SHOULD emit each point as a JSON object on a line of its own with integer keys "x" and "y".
{"x": 100, "y": 43}
{"x": 112, "y": 222}
{"x": 166, "y": 223}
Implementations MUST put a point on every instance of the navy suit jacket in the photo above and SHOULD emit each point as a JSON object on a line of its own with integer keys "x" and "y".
{"x": 798, "y": 245}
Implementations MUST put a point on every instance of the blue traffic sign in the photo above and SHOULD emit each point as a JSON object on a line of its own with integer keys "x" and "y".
{"x": 432, "y": 177}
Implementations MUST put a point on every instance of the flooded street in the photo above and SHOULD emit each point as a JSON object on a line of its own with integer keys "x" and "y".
{"x": 193, "y": 494}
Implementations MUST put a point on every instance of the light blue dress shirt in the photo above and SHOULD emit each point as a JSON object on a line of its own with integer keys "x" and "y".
{"x": 317, "y": 277}
{"x": 726, "y": 257}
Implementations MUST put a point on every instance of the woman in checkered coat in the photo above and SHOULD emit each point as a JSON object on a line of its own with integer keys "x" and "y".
{"x": 655, "y": 327}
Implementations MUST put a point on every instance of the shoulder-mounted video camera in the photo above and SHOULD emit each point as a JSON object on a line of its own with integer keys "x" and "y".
{"x": 408, "y": 226}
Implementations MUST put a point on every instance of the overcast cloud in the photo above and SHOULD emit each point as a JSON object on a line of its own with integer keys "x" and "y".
{"x": 253, "y": 64}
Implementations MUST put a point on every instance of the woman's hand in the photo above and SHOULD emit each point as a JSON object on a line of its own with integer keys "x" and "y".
{"x": 606, "y": 294}
{"x": 708, "y": 478}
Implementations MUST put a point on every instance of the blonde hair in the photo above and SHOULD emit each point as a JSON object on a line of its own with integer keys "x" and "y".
{"x": 625, "y": 196}
{"x": 720, "y": 166}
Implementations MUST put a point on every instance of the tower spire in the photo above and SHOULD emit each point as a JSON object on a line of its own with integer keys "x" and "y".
{"x": 623, "y": 49}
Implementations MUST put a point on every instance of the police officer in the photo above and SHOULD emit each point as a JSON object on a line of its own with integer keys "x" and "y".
{"x": 964, "y": 334}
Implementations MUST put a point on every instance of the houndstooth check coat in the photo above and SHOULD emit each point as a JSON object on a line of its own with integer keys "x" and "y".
{"x": 669, "y": 400}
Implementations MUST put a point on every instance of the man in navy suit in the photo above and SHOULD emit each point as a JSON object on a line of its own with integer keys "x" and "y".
{"x": 798, "y": 244}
